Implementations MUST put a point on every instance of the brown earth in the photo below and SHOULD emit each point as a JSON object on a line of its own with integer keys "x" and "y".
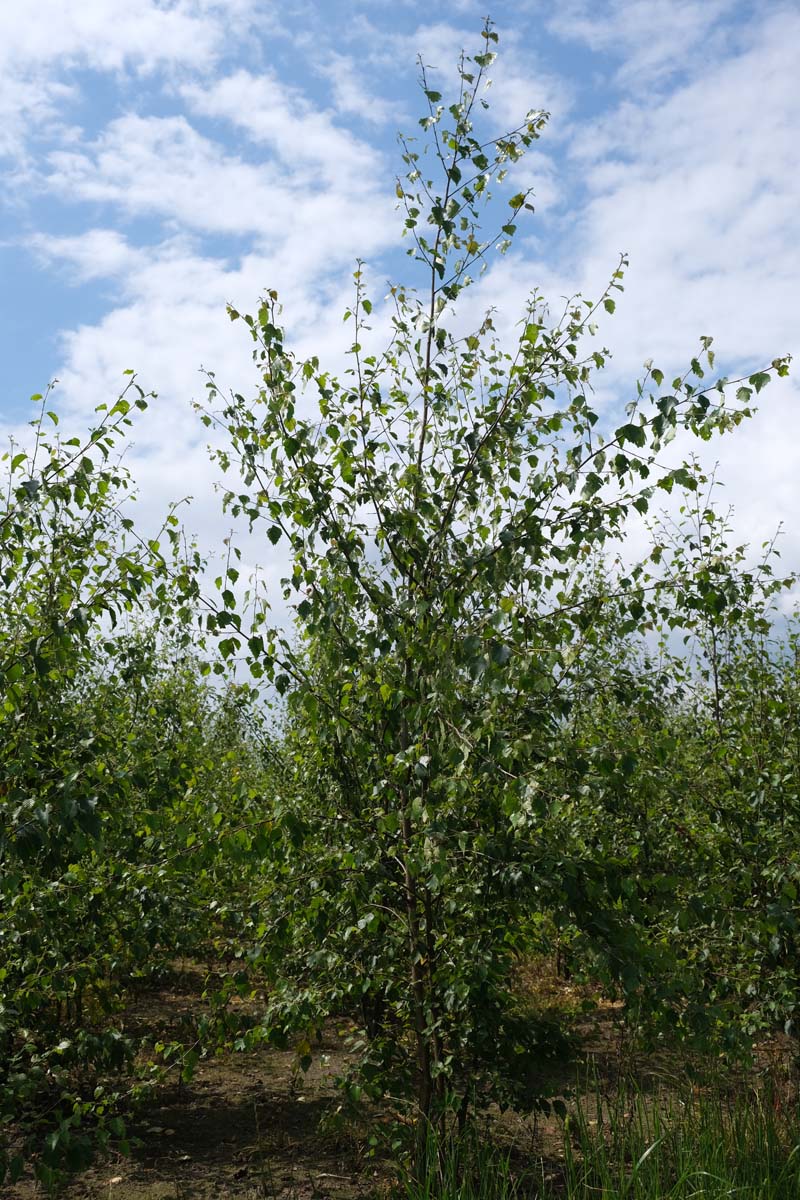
{"x": 251, "y": 1126}
{"x": 247, "y": 1126}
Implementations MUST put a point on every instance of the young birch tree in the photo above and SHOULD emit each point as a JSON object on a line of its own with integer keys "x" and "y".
{"x": 441, "y": 506}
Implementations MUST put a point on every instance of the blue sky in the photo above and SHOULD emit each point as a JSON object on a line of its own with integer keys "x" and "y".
{"x": 162, "y": 157}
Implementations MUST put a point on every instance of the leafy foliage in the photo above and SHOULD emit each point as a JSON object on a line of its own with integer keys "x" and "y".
{"x": 487, "y": 727}
{"x": 443, "y": 508}
{"x": 113, "y": 767}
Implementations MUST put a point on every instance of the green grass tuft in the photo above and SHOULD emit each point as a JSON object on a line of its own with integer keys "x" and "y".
{"x": 637, "y": 1146}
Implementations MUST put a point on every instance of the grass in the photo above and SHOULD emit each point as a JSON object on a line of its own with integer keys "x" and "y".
{"x": 638, "y": 1146}
{"x": 673, "y": 1147}
{"x": 462, "y": 1169}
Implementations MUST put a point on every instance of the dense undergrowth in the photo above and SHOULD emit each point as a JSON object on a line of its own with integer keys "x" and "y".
{"x": 488, "y": 734}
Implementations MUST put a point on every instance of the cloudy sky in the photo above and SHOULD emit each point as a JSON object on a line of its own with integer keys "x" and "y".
{"x": 163, "y": 157}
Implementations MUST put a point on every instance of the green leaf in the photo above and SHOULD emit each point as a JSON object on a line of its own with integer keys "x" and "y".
{"x": 500, "y": 654}
{"x": 631, "y": 433}
{"x": 759, "y": 380}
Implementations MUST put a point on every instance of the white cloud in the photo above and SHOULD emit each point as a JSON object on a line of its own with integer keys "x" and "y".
{"x": 28, "y": 102}
{"x": 41, "y": 45}
{"x": 702, "y": 189}
{"x": 305, "y": 198}
{"x": 111, "y": 35}
{"x": 654, "y": 37}
{"x": 521, "y": 80}
{"x": 350, "y": 96}
{"x": 279, "y": 116}
{"x": 96, "y": 254}
{"x": 437, "y": 43}
{"x": 162, "y": 167}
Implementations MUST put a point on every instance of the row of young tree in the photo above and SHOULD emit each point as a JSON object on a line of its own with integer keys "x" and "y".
{"x": 486, "y": 731}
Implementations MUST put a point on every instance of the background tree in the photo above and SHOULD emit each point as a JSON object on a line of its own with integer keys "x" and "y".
{"x": 130, "y": 791}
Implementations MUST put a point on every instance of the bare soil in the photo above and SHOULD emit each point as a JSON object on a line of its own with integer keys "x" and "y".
{"x": 251, "y": 1126}
{"x": 247, "y": 1126}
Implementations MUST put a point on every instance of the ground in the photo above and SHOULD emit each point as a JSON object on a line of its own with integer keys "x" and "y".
{"x": 247, "y": 1126}
{"x": 250, "y": 1126}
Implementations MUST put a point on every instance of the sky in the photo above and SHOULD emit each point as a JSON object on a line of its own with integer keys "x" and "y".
{"x": 162, "y": 158}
